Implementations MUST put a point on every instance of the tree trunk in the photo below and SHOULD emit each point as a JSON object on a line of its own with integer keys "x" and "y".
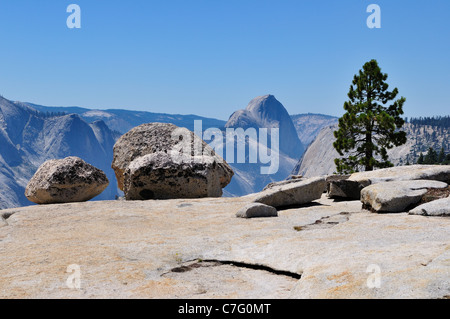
{"x": 369, "y": 152}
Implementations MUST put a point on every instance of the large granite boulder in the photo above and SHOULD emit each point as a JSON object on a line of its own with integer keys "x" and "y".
{"x": 64, "y": 181}
{"x": 295, "y": 193}
{"x": 161, "y": 160}
{"x": 159, "y": 176}
{"x": 397, "y": 196}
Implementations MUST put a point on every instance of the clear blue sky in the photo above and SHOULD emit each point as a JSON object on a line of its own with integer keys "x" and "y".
{"x": 210, "y": 57}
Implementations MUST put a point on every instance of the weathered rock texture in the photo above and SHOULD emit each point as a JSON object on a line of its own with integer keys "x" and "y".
{"x": 351, "y": 187}
{"x": 145, "y": 157}
{"x": 397, "y": 196}
{"x": 440, "y": 207}
{"x": 138, "y": 250}
{"x": 405, "y": 173}
{"x": 64, "y": 181}
{"x": 295, "y": 193}
{"x": 158, "y": 176}
{"x": 257, "y": 210}
{"x": 284, "y": 182}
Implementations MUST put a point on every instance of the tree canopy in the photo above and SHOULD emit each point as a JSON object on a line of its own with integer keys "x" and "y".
{"x": 369, "y": 127}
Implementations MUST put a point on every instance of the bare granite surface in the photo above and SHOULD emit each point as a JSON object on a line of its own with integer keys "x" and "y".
{"x": 199, "y": 249}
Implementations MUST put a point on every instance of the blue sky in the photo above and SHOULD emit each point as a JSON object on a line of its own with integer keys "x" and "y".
{"x": 210, "y": 57}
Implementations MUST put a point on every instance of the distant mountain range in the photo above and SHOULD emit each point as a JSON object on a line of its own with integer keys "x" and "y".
{"x": 124, "y": 120}
{"x": 30, "y": 134}
{"x": 28, "y": 138}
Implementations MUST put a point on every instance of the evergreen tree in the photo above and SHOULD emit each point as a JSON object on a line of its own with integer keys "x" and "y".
{"x": 431, "y": 157}
{"x": 369, "y": 127}
{"x": 421, "y": 160}
{"x": 441, "y": 156}
{"x": 447, "y": 159}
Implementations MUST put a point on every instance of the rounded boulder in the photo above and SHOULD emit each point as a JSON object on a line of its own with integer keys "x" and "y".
{"x": 163, "y": 161}
{"x": 65, "y": 181}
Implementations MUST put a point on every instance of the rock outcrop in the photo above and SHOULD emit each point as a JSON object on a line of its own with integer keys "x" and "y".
{"x": 197, "y": 248}
{"x": 351, "y": 187}
{"x": 397, "y": 196}
{"x": 295, "y": 193}
{"x": 65, "y": 181}
{"x": 160, "y": 160}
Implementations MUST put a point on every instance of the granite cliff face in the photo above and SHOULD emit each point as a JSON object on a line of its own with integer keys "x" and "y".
{"x": 309, "y": 125}
{"x": 267, "y": 112}
{"x": 318, "y": 158}
{"x": 263, "y": 112}
{"x": 28, "y": 138}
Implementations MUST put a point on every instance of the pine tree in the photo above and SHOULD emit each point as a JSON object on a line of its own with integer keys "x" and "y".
{"x": 421, "y": 160}
{"x": 369, "y": 128}
{"x": 441, "y": 156}
{"x": 431, "y": 157}
{"x": 447, "y": 159}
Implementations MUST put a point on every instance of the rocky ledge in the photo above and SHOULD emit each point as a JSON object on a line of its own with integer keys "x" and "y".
{"x": 197, "y": 248}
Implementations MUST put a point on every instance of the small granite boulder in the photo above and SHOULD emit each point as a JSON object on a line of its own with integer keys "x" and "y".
{"x": 440, "y": 207}
{"x": 294, "y": 193}
{"x": 397, "y": 196}
{"x": 254, "y": 210}
{"x": 64, "y": 181}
